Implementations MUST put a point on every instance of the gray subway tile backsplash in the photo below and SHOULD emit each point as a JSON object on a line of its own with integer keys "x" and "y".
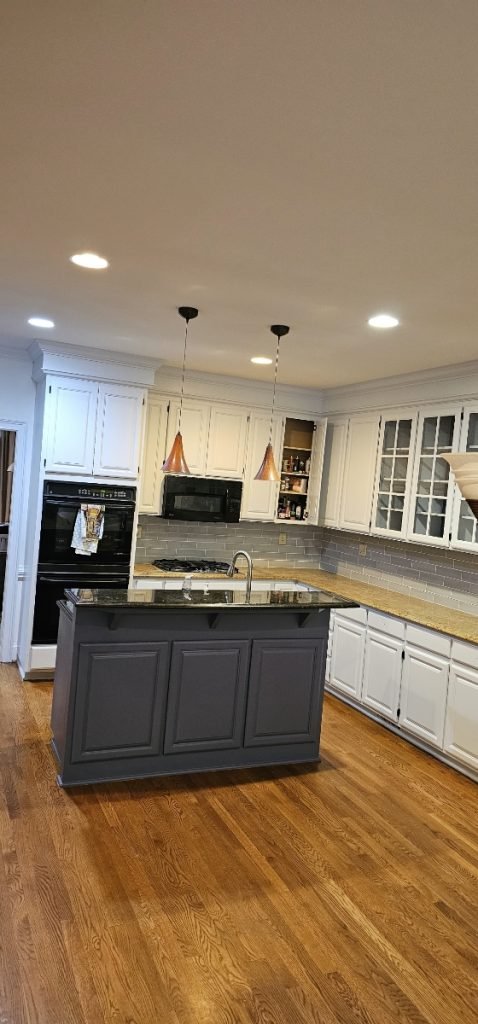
{"x": 448, "y": 578}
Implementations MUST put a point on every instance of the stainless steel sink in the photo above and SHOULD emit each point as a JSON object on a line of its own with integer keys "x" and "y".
{"x": 239, "y": 585}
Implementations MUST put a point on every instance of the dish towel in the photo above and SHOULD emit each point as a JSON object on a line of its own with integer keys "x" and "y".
{"x": 88, "y": 529}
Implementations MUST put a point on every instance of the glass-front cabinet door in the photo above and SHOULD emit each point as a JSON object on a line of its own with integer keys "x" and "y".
{"x": 395, "y": 459}
{"x": 464, "y": 531}
{"x": 432, "y": 488}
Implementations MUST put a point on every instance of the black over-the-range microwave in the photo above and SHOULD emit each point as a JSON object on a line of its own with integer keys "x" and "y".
{"x": 198, "y": 499}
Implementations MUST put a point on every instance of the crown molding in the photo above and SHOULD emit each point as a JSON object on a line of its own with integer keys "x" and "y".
{"x": 453, "y": 380}
{"x": 237, "y": 390}
{"x": 100, "y": 364}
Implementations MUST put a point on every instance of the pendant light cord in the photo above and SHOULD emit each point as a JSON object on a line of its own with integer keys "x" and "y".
{"x": 182, "y": 380}
{"x": 274, "y": 391}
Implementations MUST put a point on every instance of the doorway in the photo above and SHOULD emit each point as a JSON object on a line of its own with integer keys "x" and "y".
{"x": 7, "y": 465}
{"x": 13, "y": 451}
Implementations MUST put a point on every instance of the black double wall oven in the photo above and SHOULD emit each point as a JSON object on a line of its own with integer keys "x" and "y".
{"x": 60, "y": 567}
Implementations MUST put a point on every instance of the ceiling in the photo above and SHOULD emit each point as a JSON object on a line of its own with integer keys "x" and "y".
{"x": 309, "y": 162}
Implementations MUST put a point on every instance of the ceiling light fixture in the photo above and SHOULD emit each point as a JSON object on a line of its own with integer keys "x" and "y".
{"x": 89, "y": 260}
{"x": 40, "y": 321}
{"x": 268, "y": 468}
{"x": 175, "y": 462}
{"x": 261, "y": 360}
{"x": 383, "y": 321}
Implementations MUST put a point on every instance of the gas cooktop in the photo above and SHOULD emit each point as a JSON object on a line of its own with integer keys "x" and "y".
{"x": 191, "y": 565}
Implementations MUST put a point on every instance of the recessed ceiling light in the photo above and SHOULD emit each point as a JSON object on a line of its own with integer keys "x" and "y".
{"x": 383, "y": 320}
{"x": 90, "y": 260}
{"x": 40, "y": 321}
{"x": 261, "y": 360}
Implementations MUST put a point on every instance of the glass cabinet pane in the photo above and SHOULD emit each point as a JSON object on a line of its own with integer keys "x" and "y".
{"x": 472, "y": 439}
{"x": 431, "y": 498}
{"x": 393, "y": 471}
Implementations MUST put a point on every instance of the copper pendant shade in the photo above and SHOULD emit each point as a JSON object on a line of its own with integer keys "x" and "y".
{"x": 176, "y": 462}
{"x": 268, "y": 469}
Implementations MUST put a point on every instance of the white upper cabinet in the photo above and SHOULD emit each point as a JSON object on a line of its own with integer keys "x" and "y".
{"x": 333, "y": 471}
{"x": 394, "y": 470}
{"x": 359, "y": 473}
{"x": 432, "y": 486}
{"x": 154, "y": 452}
{"x": 118, "y": 430}
{"x": 226, "y": 448}
{"x": 464, "y": 527}
{"x": 92, "y": 429}
{"x": 194, "y": 430}
{"x": 70, "y": 425}
{"x": 259, "y": 497}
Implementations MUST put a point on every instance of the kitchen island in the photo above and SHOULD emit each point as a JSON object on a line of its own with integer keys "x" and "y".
{"x": 158, "y": 682}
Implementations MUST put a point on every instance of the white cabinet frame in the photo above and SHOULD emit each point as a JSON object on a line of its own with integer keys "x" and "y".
{"x": 424, "y": 414}
{"x": 386, "y": 417}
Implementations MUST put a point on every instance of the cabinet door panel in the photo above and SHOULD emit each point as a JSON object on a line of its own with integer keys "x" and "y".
{"x": 194, "y": 430}
{"x": 120, "y": 411}
{"x": 394, "y": 471}
{"x": 346, "y": 661}
{"x": 70, "y": 413}
{"x": 284, "y": 691}
{"x": 316, "y": 469}
{"x": 461, "y": 727}
{"x": 432, "y": 489}
{"x": 207, "y": 694}
{"x": 115, "y": 719}
{"x": 382, "y": 674}
{"x": 154, "y": 453}
{"x": 259, "y": 497}
{"x": 359, "y": 473}
{"x": 332, "y": 472}
{"x": 423, "y": 694}
{"x": 227, "y": 442}
{"x": 464, "y": 527}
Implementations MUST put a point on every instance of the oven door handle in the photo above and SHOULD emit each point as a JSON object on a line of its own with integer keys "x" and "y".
{"x": 127, "y": 506}
{"x": 71, "y": 581}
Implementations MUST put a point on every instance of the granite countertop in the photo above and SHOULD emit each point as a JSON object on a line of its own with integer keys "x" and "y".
{"x": 460, "y": 625}
{"x": 224, "y": 599}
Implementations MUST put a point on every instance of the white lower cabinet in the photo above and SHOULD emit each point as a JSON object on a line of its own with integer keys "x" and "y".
{"x": 416, "y": 678}
{"x": 461, "y": 723}
{"x": 383, "y": 665}
{"x": 424, "y": 684}
{"x": 348, "y": 648}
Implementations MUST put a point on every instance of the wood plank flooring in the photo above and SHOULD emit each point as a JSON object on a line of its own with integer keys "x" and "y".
{"x": 343, "y": 895}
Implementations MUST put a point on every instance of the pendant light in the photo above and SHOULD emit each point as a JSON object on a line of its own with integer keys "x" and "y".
{"x": 175, "y": 462}
{"x": 268, "y": 468}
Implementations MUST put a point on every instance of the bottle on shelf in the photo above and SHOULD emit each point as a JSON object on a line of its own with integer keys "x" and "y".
{"x": 287, "y": 510}
{"x": 307, "y": 465}
{"x": 298, "y": 511}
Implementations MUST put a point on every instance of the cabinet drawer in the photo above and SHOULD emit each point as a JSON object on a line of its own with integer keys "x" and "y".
{"x": 352, "y": 615}
{"x": 386, "y": 624}
{"x": 428, "y": 640}
{"x": 465, "y": 654}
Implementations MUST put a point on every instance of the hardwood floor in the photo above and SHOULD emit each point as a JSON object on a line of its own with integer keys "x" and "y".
{"x": 344, "y": 894}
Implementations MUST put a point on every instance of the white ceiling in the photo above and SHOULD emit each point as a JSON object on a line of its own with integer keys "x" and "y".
{"x": 301, "y": 161}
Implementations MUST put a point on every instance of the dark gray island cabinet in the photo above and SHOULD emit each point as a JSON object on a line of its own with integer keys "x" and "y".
{"x": 153, "y": 683}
